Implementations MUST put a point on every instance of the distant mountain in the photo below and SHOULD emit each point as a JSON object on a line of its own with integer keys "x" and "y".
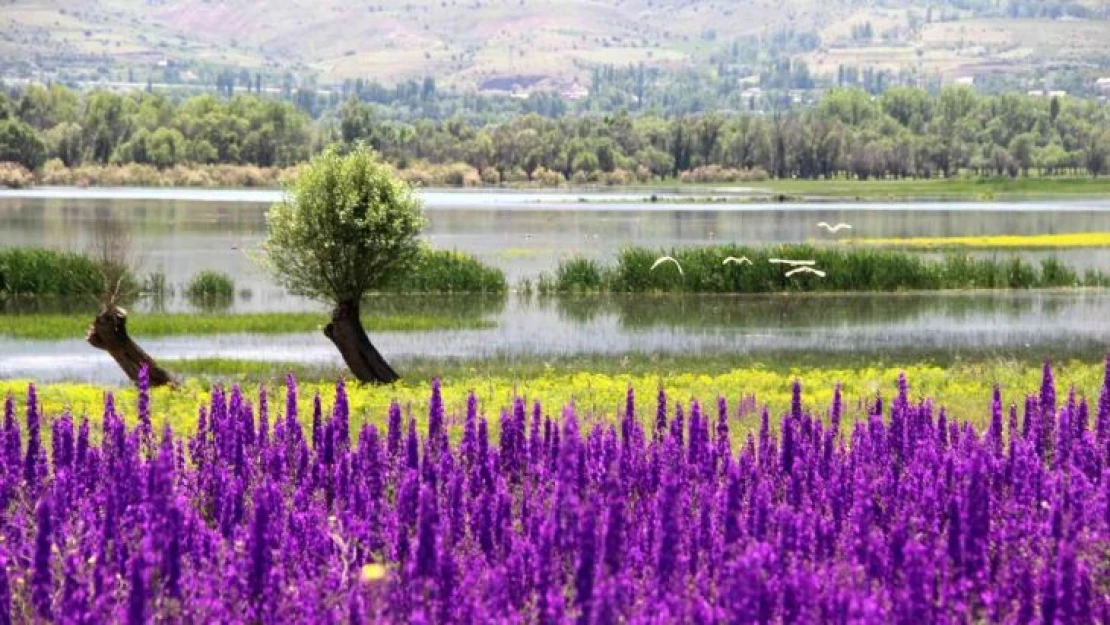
{"x": 502, "y": 43}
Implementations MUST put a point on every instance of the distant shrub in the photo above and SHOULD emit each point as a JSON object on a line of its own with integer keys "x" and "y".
{"x": 490, "y": 176}
{"x": 547, "y": 178}
{"x": 211, "y": 290}
{"x": 617, "y": 177}
{"x": 15, "y": 176}
{"x": 718, "y": 174}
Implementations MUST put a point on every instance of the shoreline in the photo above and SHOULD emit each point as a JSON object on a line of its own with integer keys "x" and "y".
{"x": 98, "y": 182}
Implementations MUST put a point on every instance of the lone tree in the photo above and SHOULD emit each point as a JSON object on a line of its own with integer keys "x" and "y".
{"x": 345, "y": 226}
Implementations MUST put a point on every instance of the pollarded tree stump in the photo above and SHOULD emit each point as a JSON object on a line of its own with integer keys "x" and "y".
{"x": 109, "y": 333}
{"x": 362, "y": 358}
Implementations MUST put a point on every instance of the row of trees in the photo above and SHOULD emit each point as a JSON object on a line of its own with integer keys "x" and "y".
{"x": 902, "y": 133}
{"x": 150, "y": 128}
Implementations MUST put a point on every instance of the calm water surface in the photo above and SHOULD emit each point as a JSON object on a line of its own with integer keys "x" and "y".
{"x": 751, "y": 329}
{"x": 181, "y": 232}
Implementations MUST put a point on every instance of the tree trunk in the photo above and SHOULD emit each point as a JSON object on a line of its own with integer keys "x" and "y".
{"x": 109, "y": 332}
{"x": 362, "y": 358}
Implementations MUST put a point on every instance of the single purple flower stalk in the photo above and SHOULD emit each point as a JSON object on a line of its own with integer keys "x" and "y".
{"x": 694, "y": 448}
{"x": 136, "y": 596}
{"x": 145, "y": 425}
{"x": 469, "y": 446}
{"x": 317, "y": 424}
{"x": 587, "y": 560}
{"x": 535, "y": 451}
{"x": 12, "y": 443}
{"x": 30, "y": 462}
{"x": 260, "y": 551}
{"x": 629, "y": 417}
{"x": 995, "y": 432}
{"x": 427, "y": 532}
{"x": 393, "y": 430}
{"x": 837, "y": 409}
{"x": 62, "y": 440}
{"x": 436, "y": 432}
{"x": 263, "y": 418}
{"x": 41, "y": 580}
{"x": 292, "y": 425}
{"x": 724, "y": 444}
{"x": 677, "y": 426}
{"x": 412, "y": 447}
{"x": 614, "y": 532}
{"x": 669, "y": 533}
{"x": 341, "y": 416}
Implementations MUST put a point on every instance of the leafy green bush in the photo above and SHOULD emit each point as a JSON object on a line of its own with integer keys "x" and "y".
{"x": 211, "y": 290}
{"x": 443, "y": 271}
{"x": 37, "y": 272}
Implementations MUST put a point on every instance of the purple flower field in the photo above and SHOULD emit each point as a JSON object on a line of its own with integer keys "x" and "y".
{"x": 900, "y": 516}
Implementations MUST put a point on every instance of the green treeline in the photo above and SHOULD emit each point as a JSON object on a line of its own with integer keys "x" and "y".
{"x": 849, "y": 134}
{"x": 703, "y": 271}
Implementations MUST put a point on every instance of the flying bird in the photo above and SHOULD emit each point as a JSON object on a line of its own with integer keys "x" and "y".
{"x": 743, "y": 260}
{"x": 796, "y": 270}
{"x": 792, "y": 263}
{"x": 665, "y": 259}
{"x": 836, "y": 228}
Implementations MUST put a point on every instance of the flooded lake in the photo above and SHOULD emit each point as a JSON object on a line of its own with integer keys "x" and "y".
{"x": 181, "y": 232}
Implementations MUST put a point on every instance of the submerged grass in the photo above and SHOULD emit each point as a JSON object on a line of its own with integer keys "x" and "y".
{"x": 854, "y": 269}
{"x": 959, "y": 387}
{"x": 69, "y": 326}
{"x": 1015, "y": 242}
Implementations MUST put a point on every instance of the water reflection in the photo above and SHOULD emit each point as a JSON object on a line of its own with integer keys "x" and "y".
{"x": 938, "y": 325}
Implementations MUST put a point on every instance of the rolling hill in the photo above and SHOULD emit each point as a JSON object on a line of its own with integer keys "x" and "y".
{"x": 468, "y": 43}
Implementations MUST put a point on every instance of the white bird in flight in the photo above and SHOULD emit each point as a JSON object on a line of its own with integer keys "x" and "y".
{"x": 793, "y": 263}
{"x": 743, "y": 260}
{"x": 836, "y": 228}
{"x": 664, "y": 259}
{"x": 804, "y": 269}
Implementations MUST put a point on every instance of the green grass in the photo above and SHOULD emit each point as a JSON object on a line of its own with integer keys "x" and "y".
{"x": 69, "y": 326}
{"x": 847, "y": 270}
{"x": 942, "y": 188}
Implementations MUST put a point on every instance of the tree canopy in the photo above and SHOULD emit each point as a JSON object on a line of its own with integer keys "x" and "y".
{"x": 346, "y": 224}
